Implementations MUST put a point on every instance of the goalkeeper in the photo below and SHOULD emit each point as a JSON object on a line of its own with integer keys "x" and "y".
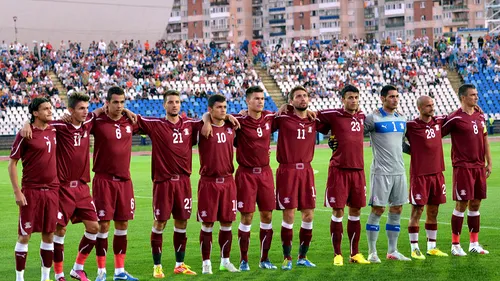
{"x": 346, "y": 177}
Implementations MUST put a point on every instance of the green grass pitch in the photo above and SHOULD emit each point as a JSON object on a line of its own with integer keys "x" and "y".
{"x": 139, "y": 261}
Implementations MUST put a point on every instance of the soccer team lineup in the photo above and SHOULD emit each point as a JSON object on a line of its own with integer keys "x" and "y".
{"x": 54, "y": 190}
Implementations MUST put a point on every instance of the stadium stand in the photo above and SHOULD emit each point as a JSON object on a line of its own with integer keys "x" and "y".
{"x": 197, "y": 71}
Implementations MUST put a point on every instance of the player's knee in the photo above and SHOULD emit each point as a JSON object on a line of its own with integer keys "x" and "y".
{"x": 47, "y": 237}
{"x": 338, "y": 213}
{"x": 181, "y": 224}
{"x": 474, "y": 205}
{"x": 60, "y": 230}
{"x": 417, "y": 210}
{"x": 23, "y": 239}
{"x": 266, "y": 217}
{"x": 208, "y": 224}
{"x": 307, "y": 215}
{"x": 378, "y": 210}
{"x": 121, "y": 225}
{"x": 103, "y": 226}
{"x": 92, "y": 227}
{"x": 354, "y": 212}
{"x": 246, "y": 218}
{"x": 396, "y": 209}
{"x": 461, "y": 206}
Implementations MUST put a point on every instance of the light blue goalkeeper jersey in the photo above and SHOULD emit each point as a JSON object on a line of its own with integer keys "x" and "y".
{"x": 387, "y": 133}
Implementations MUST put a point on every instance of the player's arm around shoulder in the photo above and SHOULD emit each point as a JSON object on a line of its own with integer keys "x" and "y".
{"x": 369, "y": 123}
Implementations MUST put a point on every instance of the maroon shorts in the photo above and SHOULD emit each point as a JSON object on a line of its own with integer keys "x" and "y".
{"x": 216, "y": 199}
{"x": 172, "y": 197}
{"x": 40, "y": 215}
{"x": 75, "y": 204}
{"x": 427, "y": 190}
{"x": 345, "y": 187}
{"x": 255, "y": 185}
{"x": 113, "y": 198}
{"x": 295, "y": 187}
{"x": 469, "y": 183}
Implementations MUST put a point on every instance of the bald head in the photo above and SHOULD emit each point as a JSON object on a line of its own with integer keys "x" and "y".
{"x": 425, "y": 105}
{"x": 422, "y": 100}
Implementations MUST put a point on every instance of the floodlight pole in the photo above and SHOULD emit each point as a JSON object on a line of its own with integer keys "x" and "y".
{"x": 15, "y": 26}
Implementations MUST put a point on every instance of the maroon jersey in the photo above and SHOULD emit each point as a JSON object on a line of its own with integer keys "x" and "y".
{"x": 349, "y": 131}
{"x": 113, "y": 146}
{"x": 467, "y": 138}
{"x": 38, "y": 156}
{"x": 172, "y": 146}
{"x": 73, "y": 156}
{"x": 296, "y": 139}
{"x": 426, "y": 146}
{"x": 253, "y": 140}
{"x": 216, "y": 152}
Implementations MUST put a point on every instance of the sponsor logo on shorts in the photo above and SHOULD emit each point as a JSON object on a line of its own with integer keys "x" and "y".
{"x": 462, "y": 192}
{"x": 203, "y": 214}
{"x": 157, "y": 212}
{"x": 286, "y": 200}
{"x": 240, "y": 205}
{"x": 332, "y": 200}
{"x": 101, "y": 213}
{"x": 418, "y": 197}
{"x": 59, "y": 215}
{"x": 27, "y": 225}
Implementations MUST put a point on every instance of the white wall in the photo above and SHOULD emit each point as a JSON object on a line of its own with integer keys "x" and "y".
{"x": 84, "y": 20}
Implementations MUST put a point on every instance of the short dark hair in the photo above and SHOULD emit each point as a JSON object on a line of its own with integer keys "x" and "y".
{"x": 115, "y": 90}
{"x": 35, "y": 105}
{"x": 215, "y": 98}
{"x": 348, "y": 88}
{"x": 462, "y": 91}
{"x": 170, "y": 93}
{"x": 253, "y": 89}
{"x": 385, "y": 90}
{"x": 77, "y": 97}
{"x": 295, "y": 89}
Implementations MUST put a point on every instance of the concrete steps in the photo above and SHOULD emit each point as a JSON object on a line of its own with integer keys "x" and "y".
{"x": 455, "y": 80}
{"x": 60, "y": 87}
{"x": 271, "y": 87}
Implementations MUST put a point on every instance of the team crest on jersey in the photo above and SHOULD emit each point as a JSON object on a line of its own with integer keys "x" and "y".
{"x": 332, "y": 200}
{"x": 286, "y": 200}
{"x": 203, "y": 214}
{"x": 59, "y": 215}
{"x": 267, "y": 126}
{"x": 102, "y": 213}
{"x": 462, "y": 192}
{"x": 27, "y": 225}
{"x": 240, "y": 205}
{"x": 230, "y": 131}
{"x": 310, "y": 130}
{"x": 186, "y": 132}
{"x": 418, "y": 197}
{"x": 85, "y": 134}
{"x": 128, "y": 129}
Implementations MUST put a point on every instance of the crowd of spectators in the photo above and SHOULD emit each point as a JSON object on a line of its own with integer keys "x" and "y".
{"x": 146, "y": 69}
